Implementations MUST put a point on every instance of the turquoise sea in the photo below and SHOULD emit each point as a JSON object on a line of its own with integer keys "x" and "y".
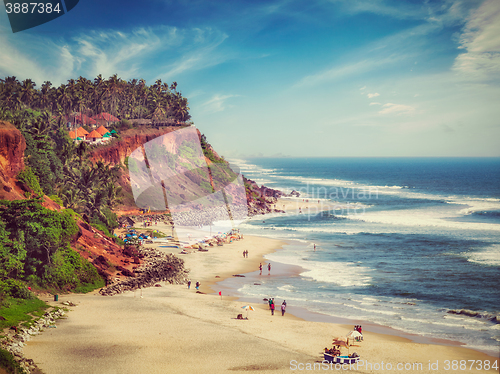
{"x": 420, "y": 240}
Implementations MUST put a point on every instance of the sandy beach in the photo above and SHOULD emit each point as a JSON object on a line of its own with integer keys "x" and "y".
{"x": 172, "y": 329}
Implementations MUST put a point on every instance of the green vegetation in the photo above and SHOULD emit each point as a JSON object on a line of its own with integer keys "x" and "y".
{"x": 59, "y": 167}
{"x": 34, "y": 248}
{"x": 56, "y": 199}
{"x": 16, "y": 311}
{"x": 71, "y": 271}
{"x": 8, "y": 363}
{"x": 30, "y": 179}
{"x": 207, "y": 151}
{"x": 160, "y": 102}
{"x": 35, "y": 241}
{"x": 155, "y": 234}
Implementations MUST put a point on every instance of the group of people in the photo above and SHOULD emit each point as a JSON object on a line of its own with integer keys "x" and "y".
{"x": 245, "y": 253}
{"x": 272, "y": 306}
{"x": 197, "y": 285}
{"x": 358, "y": 328}
{"x": 268, "y": 268}
{"x": 334, "y": 351}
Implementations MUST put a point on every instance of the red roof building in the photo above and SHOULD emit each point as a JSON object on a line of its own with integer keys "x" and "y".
{"x": 102, "y": 130}
{"x": 105, "y": 117}
{"x": 81, "y": 118}
{"x": 82, "y": 130}
{"x": 94, "y": 136}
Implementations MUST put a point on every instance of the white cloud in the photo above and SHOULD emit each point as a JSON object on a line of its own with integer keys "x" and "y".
{"x": 21, "y": 55}
{"x": 347, "y": 70}
{"x": 391, "y": 108}
{"x": 390, "y": 51}
{"x": 375, "y": 103}
{"x": 362, "y": 88}
{"x": 481, "y": 41}
{"x": 216, "y": 103}
{"x": 139, "y": 52}
{"x": 370, "y": 95}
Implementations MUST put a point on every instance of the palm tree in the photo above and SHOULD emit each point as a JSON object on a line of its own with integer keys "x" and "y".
{"x": 71, "y": 198}
{"x": 11, "y": 93}
{"x": 44, "y": 101}
{"x": 181, "y": 110}
{"x": 64, "y": 99}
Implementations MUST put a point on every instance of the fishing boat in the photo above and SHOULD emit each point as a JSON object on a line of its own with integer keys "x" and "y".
{"x": 340, "y": 359}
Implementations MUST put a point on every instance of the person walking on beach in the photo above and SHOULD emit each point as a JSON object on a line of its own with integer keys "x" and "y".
{"x": 269, "y": 268}
{"x": 283, "y": 307}
{"x": 197, "y": 285}
{"x": 260, "y": 268}
{"x": 270, "y": 301}
{"x": 272, "y": 309}
{"x": 189, "y": 284}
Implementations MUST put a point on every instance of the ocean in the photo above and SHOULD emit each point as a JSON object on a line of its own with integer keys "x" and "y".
{"x": 416, "y": 239}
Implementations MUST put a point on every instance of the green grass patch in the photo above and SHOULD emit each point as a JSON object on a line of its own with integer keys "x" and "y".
{"x": 155, "y": 234}
{"x": 16, "y": 311}
{"x": 88, "y": 287}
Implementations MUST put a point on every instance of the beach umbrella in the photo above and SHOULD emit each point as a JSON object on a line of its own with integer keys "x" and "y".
{"x": 247, "y": 308}
{"x": 354, "y": 334}
{"x": 340, "y": 343}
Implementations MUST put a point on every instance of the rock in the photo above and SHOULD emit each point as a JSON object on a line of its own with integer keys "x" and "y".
{"x": 12, "y": 146}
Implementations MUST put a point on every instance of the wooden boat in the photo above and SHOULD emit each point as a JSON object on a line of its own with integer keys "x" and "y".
{"x": 340, "y": 359}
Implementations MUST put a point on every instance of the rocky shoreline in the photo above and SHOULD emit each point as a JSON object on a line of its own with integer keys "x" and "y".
{"x": 157, "y": 267}
{"x": 14, "y": 343}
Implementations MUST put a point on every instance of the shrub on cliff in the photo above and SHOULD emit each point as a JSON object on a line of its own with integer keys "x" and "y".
{"x": 70, "y": 271}
{"x": 31, "y": 180}
{"x": 34, "y": 246}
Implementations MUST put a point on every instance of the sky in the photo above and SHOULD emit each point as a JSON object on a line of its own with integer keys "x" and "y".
{"x": 290, "y": 78}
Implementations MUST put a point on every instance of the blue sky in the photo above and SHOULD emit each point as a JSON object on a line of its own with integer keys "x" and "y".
{"x": 293, "y": 78}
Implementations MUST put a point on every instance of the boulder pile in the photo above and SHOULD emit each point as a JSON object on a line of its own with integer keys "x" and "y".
{"x": 15, "y": 343}
{"x": 157, "y": 267}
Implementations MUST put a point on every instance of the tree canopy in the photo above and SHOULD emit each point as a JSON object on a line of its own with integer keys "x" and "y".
{"x": 132, "y": 99}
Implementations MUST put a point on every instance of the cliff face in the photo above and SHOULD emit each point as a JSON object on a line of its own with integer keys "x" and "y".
{"x": 110, "y": 259}
{"x": 261, "y": 200}
{"x": 118, "y": 151}
{"x": 12, "y": 146}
